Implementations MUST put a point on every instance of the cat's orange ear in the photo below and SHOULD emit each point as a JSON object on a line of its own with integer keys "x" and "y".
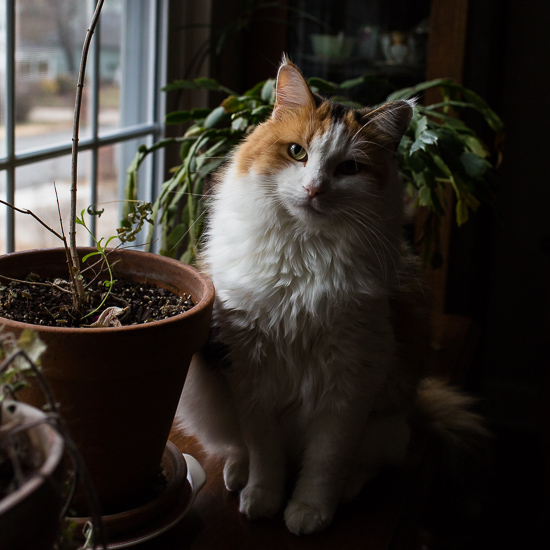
{"x": 392, "y": 119}
{"x": 292, "y": 90}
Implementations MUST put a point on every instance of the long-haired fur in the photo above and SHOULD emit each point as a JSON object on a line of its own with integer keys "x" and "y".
{"x": 314, "y": 367}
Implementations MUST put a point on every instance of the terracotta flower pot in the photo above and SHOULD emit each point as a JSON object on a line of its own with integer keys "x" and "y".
{"x": 118, "y": 388}
{"x": 29, "y": 517}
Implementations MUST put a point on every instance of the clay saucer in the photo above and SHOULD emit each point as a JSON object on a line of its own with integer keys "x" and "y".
{"x": 184, "y": 479}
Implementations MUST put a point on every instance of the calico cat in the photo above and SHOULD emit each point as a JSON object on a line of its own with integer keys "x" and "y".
{"x": 314, "y": 368}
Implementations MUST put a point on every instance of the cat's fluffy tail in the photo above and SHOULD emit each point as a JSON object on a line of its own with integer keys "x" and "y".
{"x": 447, "y": 413}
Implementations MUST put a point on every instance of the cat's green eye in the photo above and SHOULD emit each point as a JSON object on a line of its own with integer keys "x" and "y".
{"x": 297, "y": 152}
{"x": 348, "y": 168}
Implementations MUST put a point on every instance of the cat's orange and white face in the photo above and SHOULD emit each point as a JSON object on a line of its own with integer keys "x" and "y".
{"x": 320, "y": 159}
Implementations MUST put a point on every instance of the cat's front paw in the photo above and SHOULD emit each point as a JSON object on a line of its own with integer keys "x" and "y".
{"x": 304, "y": 519}
{"x": 260, "y": 502}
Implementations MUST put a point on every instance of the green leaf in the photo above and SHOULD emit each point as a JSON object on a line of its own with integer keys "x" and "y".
{"x": 93, "y": 212}
{"x": 80, "y": 220}
{"x": 439, "y": 163}
{"x": 424, "y": 197}
{"x": 472, "y": 201}
{"x": 179, "y": 85}
{"x": 239, "y": 123}
{"x": 187, "y": 257}
{"x": 193, "y": 131}
{"x": 451, "y": 142}
{"x": 215, "y": 116}
{"x": 207, "y": 84}
{"x": 347, "y": 84}
{"x": 416, "y": 162}
{"x": 268, "y": 91}
{"x": 474, "y": 165}
{"x": 256, "y": 90}
{"x": 343, "y": 100}
{"x": 184, "y": 149}
{"x": 417, "y": 146}
{"x": 178, "y": 117}
{"x": 85, "y": 258}
{"x": 476, "y": 146}
{"x": 407, "y": 93}
{"x": 109, "y": 240}
{"x": 211, "y": 166}
{"x": 201, "y": 113}
{"x": 461, "y": 212}
{"x": 232, "y": 104}
{"x": 429, "y": 137}
{"x": 477, "y": 102}
{"x": 421, "y": 126}
{"x": 177, "y": 235}
{"x": 323, "y": 85}
{"x": 447, "y": 104}
{"x": 262, "y": 112}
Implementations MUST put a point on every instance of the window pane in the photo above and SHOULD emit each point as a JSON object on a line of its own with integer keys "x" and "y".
{"x": 125, "y": 94}
{"x": 36, "y": 192}
{"x": 108, "y": 198}
{"x": 113, "y": 163}
{"x": 110, "y": 65}
{"x": 49, "y": 37}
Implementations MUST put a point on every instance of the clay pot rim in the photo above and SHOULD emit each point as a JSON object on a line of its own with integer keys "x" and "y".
{"x": 52, "y": 458}
{"x": 204, "y": 303}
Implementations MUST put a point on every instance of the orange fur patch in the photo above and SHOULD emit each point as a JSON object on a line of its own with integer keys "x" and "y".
{"x": 265, "y": 151}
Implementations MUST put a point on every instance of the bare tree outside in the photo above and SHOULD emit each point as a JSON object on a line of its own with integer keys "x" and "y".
{"x": 64, "y": 13}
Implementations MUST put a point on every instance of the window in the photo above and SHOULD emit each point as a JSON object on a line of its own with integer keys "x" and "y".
{"x": 40, "y": 47}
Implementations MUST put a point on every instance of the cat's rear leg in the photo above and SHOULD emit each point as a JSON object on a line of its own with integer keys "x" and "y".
{"x": 358, "y": 477}
{"x": 384, "y": 442}
{"x": 206, "y": 411}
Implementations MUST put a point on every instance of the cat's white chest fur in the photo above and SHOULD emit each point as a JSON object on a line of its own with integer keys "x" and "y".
{"x": 292, "y": 300}
{"x": 267, "y": 265}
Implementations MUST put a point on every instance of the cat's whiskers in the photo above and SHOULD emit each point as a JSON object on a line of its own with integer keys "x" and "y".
{"x": 365, "y": 142}
{"x": 400, "y": 253}
{"x": 176, "y": 192}
{"x": 366, "y": 235}
{"x": 359, "y": 155}
{"x": 365, "y": 219}
{"x": 370, "y": 224}
{"x": 364, "y": 229}
{"x": 386, "y": 114}
{"x": 199, "y": 217}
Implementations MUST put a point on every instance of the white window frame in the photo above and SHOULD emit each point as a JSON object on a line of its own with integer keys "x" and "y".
{"x": 152, "y": 129}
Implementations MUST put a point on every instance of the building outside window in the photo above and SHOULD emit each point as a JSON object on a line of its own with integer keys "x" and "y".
{"x": 40, "y": 48}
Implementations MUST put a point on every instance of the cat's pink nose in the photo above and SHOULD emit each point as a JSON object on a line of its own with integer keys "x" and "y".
{"x": 312, "y": 191}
